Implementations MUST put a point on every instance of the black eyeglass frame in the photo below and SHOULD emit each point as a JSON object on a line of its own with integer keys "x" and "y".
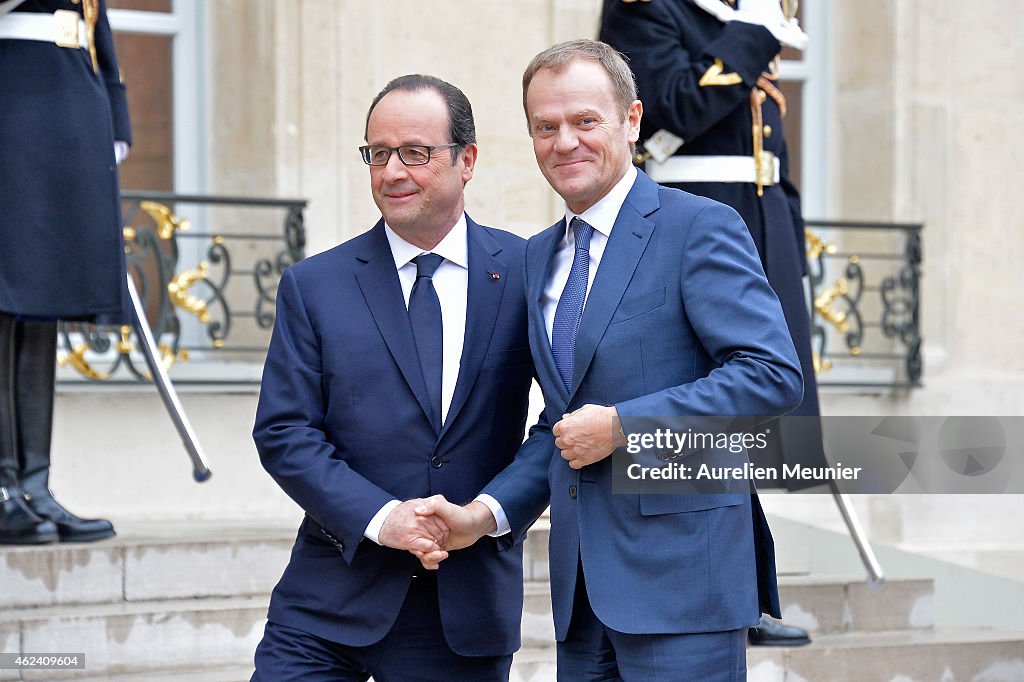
{"x": 364, "y": 152}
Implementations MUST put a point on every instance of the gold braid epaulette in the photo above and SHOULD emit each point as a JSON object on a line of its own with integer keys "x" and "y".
{"x": 91, "y": 14}
{"x": 765, "y": 89}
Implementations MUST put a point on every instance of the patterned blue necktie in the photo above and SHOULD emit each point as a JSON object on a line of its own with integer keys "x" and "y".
{"x": 570, "y": 305}
{"x": 425, "y": 316}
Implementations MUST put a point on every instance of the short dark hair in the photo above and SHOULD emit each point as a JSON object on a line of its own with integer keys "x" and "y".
{"x": 558, "y": 57}
{"x": 461, "y": 128}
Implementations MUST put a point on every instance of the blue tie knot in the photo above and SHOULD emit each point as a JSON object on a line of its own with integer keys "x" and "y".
{"x": 427, "y": 264}
{"x": 582, "y": 231}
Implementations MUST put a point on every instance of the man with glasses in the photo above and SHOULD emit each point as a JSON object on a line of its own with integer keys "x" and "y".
{"x": 399, "y": 368}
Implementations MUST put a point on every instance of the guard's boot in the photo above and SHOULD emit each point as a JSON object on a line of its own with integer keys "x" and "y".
{"x": 18, "y": 525}
{"x": 36, "y": 346}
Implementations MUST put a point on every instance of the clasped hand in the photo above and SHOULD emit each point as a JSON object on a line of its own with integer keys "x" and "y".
{"x": 431, "y": 527}
{"x": 588, "y": 435}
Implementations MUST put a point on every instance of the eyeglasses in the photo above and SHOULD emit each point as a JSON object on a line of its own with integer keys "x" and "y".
{"x": 409, "y": 154}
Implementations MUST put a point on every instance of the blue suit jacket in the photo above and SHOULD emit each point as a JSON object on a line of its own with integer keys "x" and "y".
{"x": 679, "y": 321}
{"x": 342, "y": 427}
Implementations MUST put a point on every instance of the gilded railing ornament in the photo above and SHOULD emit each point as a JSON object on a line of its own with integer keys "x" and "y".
{"x": 179, "y": 287}
{"x": 154, "y": 236}
{"x": 865, "y": 305}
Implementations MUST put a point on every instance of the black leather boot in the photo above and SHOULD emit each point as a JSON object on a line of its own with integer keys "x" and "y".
{"x": 18, "y": 525}
{"x": 36, "y": 344}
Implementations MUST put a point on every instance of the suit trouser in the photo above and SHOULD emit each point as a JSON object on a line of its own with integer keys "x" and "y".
{"x": 414, "y": 650}
{"x": 593, "y": 652}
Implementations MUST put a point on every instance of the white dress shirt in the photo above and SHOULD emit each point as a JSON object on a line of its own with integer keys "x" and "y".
{"x": 451, "y": 282}
{"x": 601, "y": 216}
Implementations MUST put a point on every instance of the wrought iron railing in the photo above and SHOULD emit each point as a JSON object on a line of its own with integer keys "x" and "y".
{"x": 207, "y": 269}
{"x": 203, "y": 282}
{"x": 866, "y": 303}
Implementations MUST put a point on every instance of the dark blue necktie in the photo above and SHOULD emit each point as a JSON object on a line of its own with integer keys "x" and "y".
{"x": 570, "y": 304}
{"x": 425, "y": 315}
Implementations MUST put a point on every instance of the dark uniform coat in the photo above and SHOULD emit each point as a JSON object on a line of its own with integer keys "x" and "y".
{"x": 671, "y": 45}
{"x": 61, "y": 252}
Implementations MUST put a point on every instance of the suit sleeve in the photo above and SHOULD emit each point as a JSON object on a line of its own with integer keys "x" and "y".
{"x": 522, "y": 488}
{"x": 289, "y": 430}
{"x": 740, "y": 323}
{"x": 110, "y": 74}
{"x": 658, "y": 38}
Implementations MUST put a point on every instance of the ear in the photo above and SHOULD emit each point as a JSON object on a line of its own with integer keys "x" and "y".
{"x": 468, "y": 158}
{"x": 633, "y": 116}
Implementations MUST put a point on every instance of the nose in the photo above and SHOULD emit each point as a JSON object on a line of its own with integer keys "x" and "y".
{"x": 394, "y": 169}
{"x": 566, "y": 140}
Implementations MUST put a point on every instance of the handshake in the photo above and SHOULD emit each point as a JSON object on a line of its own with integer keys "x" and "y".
{"x": 431, "y": 527}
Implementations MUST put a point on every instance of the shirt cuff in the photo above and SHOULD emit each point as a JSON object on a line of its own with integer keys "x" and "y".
{"x": 499, "y": 514}
{"x": 372, "y": 531}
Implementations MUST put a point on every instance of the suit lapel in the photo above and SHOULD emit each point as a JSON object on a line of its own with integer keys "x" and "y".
{"x": 483, "y": 300}
{"x": 383, "y": 293}
{"x": 626, "y": 245}
{"x": 539, "y": 272}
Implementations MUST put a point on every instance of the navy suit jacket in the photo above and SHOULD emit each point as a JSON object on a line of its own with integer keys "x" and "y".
{"x": 680, "y": 320}
{"x": 342, "y": 427}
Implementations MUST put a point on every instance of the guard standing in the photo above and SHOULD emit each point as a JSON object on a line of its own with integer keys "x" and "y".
{"x": 706, "y": 72}
{"x": 63, "y": 130}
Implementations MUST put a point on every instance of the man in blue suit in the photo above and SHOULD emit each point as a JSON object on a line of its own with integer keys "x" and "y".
{"x": 399, "y": 368}
{"x": 645, "y": 304}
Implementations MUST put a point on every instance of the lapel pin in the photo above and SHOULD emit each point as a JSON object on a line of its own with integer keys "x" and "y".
{"x": 495, "y": 275}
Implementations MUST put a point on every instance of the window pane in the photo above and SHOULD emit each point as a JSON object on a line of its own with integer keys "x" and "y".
{"x": 145, "y": 62}
{"x": 142, "y": 5}
{"x": 794, "y": 92}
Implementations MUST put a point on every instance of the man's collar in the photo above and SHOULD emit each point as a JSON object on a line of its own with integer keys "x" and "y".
{"x": 602, "y": 215}
{"x": 453, "y": 247}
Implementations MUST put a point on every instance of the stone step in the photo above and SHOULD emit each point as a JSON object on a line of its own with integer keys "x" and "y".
{"x": 168, "y": 643}
{"x": 137, "y": 637}
{"x": 833, "y": 604}
{"x": 230, "y": 673}
{"x": 148, "y": 561}
{"x": 943, "y": 655}
{"x": 527, "y": 666}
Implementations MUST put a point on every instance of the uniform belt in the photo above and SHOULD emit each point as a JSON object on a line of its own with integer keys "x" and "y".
{"x": 64, "y": 28}
{"x": 714, "y": 169}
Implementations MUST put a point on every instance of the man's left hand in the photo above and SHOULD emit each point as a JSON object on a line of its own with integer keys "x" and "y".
{"x": 588, "y": 435}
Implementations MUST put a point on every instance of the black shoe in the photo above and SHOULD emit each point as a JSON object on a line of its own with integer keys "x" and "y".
{"x": 18, "y": 525}
{"x": 70, "y": 528}
{"x": 769, "y": 632}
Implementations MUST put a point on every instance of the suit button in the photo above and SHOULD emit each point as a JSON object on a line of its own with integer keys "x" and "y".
{"x": 572, "y": 492}
{"x": 436, "y": 462}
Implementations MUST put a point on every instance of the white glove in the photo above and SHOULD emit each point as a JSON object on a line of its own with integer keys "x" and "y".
{"x": 717, "y": 9}
{"x": 120, "y": 151}
{"x": 768, "y": 13}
